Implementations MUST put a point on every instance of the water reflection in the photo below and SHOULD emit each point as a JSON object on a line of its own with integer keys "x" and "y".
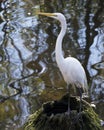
{"x": 97, "y": 54}
{"x": 96, "y": 66}
{"x": 27, "y": 61}
{"x": 95, "y": 43}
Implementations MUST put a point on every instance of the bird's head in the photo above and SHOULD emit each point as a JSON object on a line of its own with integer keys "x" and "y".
{"x": 57, "y": 16}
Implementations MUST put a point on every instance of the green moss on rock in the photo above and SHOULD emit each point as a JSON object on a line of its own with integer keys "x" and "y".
{"x": 53, "y": 116}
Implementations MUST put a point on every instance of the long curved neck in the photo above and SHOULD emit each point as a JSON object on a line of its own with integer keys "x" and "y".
{"x": 58, "y": 48}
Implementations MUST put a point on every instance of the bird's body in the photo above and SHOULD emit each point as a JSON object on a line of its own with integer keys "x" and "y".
{"x": 71, "y": 69}
{"x": 72, "y": 74}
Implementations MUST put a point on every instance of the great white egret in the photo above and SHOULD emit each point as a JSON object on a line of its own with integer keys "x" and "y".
{"x": 71, "y": 69}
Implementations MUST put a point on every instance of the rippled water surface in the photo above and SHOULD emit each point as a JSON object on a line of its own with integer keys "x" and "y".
{"x": 29, "y": 74}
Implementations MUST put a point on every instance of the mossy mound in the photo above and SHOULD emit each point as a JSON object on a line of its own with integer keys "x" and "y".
{"x": 53, "y": 116}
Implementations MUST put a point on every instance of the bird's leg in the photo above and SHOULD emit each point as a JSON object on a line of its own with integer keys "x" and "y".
{"x": 79, "y": 115}
{"x": 80, "y": 92}
{"x": 68, "y": 88}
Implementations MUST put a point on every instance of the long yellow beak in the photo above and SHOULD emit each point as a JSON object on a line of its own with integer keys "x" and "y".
{"x": 46, "y": 14}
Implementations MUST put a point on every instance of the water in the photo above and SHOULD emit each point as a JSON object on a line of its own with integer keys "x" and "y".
{"x": 29, "y": 74}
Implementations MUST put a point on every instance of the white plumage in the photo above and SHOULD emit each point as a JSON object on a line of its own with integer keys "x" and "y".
{"x": 71, "y": 69}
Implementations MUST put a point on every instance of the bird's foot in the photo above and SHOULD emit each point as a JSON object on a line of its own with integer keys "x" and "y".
{"x": 68, "y": 112}
{"x": 78, "y": 117}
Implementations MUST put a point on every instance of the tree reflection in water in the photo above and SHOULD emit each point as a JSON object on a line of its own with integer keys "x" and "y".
{"x": 27, "y": 60}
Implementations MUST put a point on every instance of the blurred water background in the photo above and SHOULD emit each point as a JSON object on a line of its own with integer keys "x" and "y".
{"x": 29, "y": 75}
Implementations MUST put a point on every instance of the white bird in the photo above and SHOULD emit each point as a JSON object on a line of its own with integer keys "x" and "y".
{"x": 71, "y": 69}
